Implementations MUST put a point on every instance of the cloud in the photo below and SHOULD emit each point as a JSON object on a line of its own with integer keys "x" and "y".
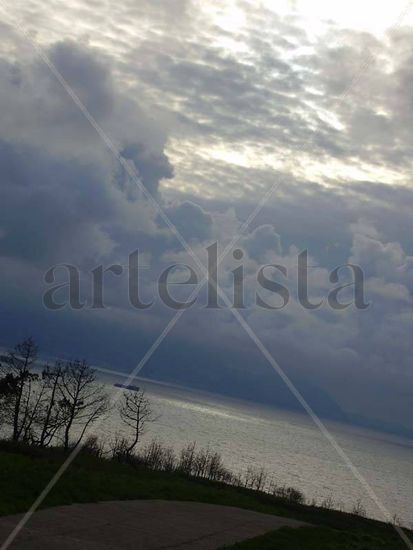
{"x": 261, "y": 242}
{"x": 210, "y": 118}
{"x": 87, "y": 75}
{"x": 152, "y": 167}
{"x": 62, "y": 200}
{"x": 386, "y": 259}
{"x": 191, "y": 220}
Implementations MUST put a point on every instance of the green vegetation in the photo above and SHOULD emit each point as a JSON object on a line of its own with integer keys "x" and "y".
{"x": 47, "y": 413}
{"x": 322, "y": 538}
{"x": 25, "y": 470}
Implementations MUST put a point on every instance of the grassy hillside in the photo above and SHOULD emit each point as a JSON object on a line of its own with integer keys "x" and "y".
{"x": 321, "y": 538}
{"x": 24, "y": 471}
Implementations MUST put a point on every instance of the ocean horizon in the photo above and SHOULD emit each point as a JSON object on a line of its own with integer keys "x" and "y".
{"x": 286, "y": 444}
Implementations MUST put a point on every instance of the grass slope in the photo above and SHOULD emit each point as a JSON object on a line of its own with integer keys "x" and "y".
{"x": 24, "y": 472}
{"x": 321, "y": 538}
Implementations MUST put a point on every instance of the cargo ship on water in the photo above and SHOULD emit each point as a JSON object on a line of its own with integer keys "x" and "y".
{"x": 126, "y": 387}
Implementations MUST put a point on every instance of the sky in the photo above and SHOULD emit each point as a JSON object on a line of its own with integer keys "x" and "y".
{"x": 214, "y": 105}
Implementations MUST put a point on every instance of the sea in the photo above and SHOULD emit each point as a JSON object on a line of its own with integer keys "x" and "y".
{"x": 287, "y": 444}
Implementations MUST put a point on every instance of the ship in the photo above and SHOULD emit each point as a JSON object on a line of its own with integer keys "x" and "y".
{"x": 127, "y": 386}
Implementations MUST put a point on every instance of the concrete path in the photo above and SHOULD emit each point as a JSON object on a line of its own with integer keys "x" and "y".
{"x": 139, "y": 525}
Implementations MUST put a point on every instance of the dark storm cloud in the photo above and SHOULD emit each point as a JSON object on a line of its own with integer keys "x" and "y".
{"x": 368, "y": 224}
{"x": 60, "y": 198}
{"x": 49, "y": 206}
{"x": 86, "y": 74}
{"x": 152, "y": 167}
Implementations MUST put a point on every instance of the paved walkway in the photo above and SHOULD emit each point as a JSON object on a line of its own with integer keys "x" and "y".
{"x": 140, "y": 525}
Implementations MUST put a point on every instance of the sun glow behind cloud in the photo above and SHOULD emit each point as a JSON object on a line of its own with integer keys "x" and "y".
{"x": 223, "y": 30}
{"x": 366, "y": 15}
{"x": 230, "y": 21}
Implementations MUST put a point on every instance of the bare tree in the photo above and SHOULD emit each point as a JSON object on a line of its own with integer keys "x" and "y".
{"x": 7, "y": 392}
{"x": 255, "y": 478}
{"x": 82, "y": 398}
{"x": 187, "y": 459}
{"x": 53, "y": 412}
{"x": 36, "y": 399}
{"x": 17, "y": 387}
{"x": 135, "y": 411}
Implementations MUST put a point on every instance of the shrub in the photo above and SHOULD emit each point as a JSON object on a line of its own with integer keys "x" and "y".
{"x": 118, "y": 449}
{"x": 359, "y": 509}
{"x": 157, "y": 457}
{"x": 289, "y": 493}
{"x": 327, "y": 503}
{"x": 255, "y": 478}
{"x": 93, "y": 446}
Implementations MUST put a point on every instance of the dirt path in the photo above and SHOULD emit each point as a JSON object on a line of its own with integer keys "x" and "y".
{"x": 140, "y": 525}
